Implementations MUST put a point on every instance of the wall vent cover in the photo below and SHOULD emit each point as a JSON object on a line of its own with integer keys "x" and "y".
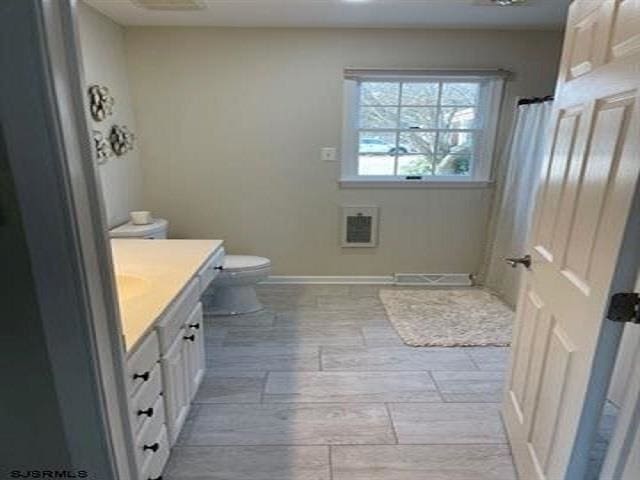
{"x": 359, "y": 226}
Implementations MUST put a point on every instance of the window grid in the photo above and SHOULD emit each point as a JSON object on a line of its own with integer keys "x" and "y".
{"x": 438, "y": 130}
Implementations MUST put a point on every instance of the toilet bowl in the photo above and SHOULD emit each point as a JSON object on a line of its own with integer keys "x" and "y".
{"x": 233, "y": 290}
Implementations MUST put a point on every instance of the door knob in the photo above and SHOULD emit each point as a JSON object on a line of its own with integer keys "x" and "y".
{"x": 515, "y": 261}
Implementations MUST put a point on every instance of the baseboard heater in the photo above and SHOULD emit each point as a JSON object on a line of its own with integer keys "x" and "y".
{"x": 409, "y": 279}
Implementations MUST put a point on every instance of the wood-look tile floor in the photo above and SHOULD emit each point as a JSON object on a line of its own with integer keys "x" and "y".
{"x": 319, "y": 386}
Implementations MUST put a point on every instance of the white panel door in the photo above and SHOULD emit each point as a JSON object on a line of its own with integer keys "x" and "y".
{"x": 584, "y": 202}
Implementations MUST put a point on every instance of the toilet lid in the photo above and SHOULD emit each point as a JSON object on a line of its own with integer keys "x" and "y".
{"x": 245, "y": 262}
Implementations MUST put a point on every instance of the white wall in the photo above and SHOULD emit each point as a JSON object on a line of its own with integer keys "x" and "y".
{"x": 231, "y": 122}
{"x": 104, "y": 61}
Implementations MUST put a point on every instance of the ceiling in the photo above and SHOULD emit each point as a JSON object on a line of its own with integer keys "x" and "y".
{"x": 535, "y": 14}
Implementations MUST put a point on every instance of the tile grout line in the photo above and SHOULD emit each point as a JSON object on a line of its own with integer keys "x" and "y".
{"x": 367, "y": 317}
{"x": 393, "y": 426}
{"x": 358, "y": 402}
{"x": 435, "y": 383}
{"x": 364, "y": 445}
{"x": 406, "y": 402}
{"x": 473, "y": 361}
{"x": 364, "y": 339}
{"x": 264, "y": 386}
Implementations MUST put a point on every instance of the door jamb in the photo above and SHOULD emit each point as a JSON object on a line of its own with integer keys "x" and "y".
{"x": 58, "y": 192}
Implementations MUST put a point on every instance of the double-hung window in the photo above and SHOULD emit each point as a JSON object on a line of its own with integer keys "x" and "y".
{"x": 420, "y": 127}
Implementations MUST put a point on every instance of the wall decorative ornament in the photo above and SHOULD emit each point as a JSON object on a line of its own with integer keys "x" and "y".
{"x": 121, "y": 139}
{"x": 100, "y": 102}
{"x": 103, "y": 149}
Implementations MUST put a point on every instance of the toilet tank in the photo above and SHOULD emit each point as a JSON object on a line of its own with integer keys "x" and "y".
{"x": 155, "y": 230}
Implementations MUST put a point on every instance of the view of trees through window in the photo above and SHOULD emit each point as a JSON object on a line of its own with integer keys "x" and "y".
{"x": 417, "y": 127}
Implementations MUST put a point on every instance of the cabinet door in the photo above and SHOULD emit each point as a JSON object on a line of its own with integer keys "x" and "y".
{"x": 195, "y": 359}
{"x": 176, "y": 387}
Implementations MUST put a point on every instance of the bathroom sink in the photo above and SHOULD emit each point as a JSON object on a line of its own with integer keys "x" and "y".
{"x": 131, "y": 286}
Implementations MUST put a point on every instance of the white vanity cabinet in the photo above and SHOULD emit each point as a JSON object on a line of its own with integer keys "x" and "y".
{"x": 164, "y": 372}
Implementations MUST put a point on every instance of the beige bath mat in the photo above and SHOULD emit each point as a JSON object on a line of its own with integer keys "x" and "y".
{"x": 448, "y": 318}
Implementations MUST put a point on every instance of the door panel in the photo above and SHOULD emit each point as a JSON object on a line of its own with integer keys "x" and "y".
{"x": 626, "y": 38}
{"x": 555, "y": 182}
{"x": 608, "y": 130}
{"x": 571, "y": 187}
{"x": 584, "y": 38}
{"x": 587, "y": 32}
{"x": 590, "y": 178}
{"x": 528, "y": 344}
{"x": 550, "y": 398}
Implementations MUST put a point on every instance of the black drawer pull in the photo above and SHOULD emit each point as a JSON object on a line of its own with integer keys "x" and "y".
{"x": 195, "y": 326}
{"x": 191, "y": 337}
{"x": 156, "y": 478}
{"x": 148, "y": 412}
{"x": 153, "y": 447}
{"x": 144, "y": 376}
{"x": 219, "y": 267}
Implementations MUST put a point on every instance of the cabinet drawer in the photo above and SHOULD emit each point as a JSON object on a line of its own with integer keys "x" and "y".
{"x": 210, "y": 271}
{"x": 177, "y": 313}
{"x": 154, "y": 467}
{"x": 142, "y": 403}
{"x": 141, "y": 362}
{"x": 147, "y": 440}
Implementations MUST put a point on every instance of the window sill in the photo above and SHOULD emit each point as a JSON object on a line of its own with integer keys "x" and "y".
{"x": 401, "y": 183}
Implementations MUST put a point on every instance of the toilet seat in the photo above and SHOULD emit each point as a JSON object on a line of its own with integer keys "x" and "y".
{"x": 244, "y": 263}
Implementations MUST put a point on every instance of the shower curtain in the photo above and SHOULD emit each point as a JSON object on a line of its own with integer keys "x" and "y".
{"x": 523, "y": 160}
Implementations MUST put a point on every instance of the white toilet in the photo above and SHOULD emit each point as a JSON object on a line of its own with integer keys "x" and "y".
{"x": 233, "y": 290}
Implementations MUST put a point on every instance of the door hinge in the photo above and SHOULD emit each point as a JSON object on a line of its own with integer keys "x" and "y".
{"x": 624, "y": 308}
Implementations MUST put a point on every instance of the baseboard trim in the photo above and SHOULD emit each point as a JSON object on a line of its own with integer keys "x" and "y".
{"x": 408, "y": 279}
{"x": 434, "y": 279}
{"x": 329, "y": 280}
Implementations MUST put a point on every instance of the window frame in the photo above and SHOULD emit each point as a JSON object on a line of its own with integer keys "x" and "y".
{"x": 489, "y": 103}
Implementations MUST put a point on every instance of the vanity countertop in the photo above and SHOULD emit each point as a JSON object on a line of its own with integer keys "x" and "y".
{"x": 149, "y": 276}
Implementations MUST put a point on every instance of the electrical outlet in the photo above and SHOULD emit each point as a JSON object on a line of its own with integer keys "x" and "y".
{"x": 328, "y": 154}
